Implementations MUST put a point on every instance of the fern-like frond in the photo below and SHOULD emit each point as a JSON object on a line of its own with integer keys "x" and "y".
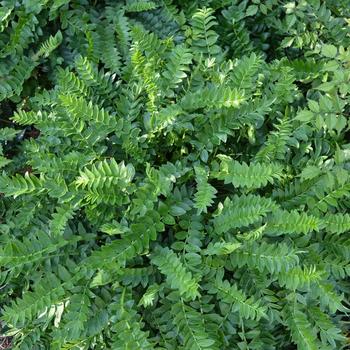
{"x": 244, "y": 74}
{"x": 337, "y": 223}
{"x": 300, "y": 278}
{"x": 20, "y": 36}
{"x": 177, "y": 275}
{"x": 147, "y": 43}
{"x": 276, "y": 143}
{"x": 191, "y": 328}
{"x": 246, "y": 307}
{"x": 106, "y": 173}
{"x": 102, "y": 82}
{"x": 306, "y": 69}
{"x": 106, "y": 179}
{"x": 128, "y": 333}
{"x": 140, "y": 5}
{"x": 221, "y": 248}
{"x": 302, "y": 333}
{"x": 118, "y": 251}
{"x": 76, "y": 314}
{"x": 28, "y": 118}
{"x": 8, "y": 134}
{"x": 49, "y": 45}
{"x": 213, "y": 97}
{"x": 12, "y": 84}
{"x": 328, "y": 331}
{"x": 70, "y": 84}
{"x": 254, "y": 175}
{"x": 174, "y": 174}
{"x": 177, "y": 67}
{"x": 284, "y": 222}
{"x": 96, "y": 121}
{"x": 329, "y": 298}
{"x": 114, "y": 228}
{"x": 106, "y": 48}
{"x": 137, "y": 276}
{"x": 80, "y": 109}
{"x": 149, "y": 296}
{"x": 60, "y": 218}
{"x": 4, "y": 161}
{"x": 242, "y": 211}
{"x": 205, "y": 192}
{"x": 46, "y": 292}
{"x": 56, "y": 4}
{"x": 122, "y": 29}
{"x": 204, "y": 38}
{"x": 165, "y": 118}
{"x": 271, "y": 257}
{"x": 19, "y": 185}
{"x": 16, "y": 254}
{"x": 135, "y": 243}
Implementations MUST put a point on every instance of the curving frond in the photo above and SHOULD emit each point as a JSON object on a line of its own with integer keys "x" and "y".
{"x": 191, "y": 329}
{"x": 177, "y": 275}
{"x": 246, "y": 307}
{"x": 106, "y": 179}
{"x": 18, "y": 185}
{"x": 254, "y": 175}
{"x": 204, "y": 37}
{"x": 242, "y": 211}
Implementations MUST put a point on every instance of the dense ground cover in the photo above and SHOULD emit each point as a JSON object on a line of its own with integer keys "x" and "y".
{"x": 175, "y": 174}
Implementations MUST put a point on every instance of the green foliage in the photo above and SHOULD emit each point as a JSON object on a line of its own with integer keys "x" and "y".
{"x": 338, "y": 223}
{"x": 265, "y": 257}
{"x": 18, "y": 185}
{"x": 106, "y": 180}
{"x": 49, "y": 45}
{"x": 127, "y": 328}
{"x": 48, "y": 291}
{"x": 301, "y": 330}
{"x": 191, "y": 328}
{"x": 212, "y": 97}
{"x": 178, "y": 64}
{"x": 205, "y": 192}
{"x": 204, "y": 37}
{"x": 242, "y": 211}
{"x": 174, "y": 174}
{"x": 177, "y": 276}
{"x": 238, "y": 301}
{"x": 254, "y": 175}
{"x": 283, "y": 222}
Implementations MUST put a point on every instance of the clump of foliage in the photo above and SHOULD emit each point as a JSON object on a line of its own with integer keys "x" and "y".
{"x": 175, "y": 174}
